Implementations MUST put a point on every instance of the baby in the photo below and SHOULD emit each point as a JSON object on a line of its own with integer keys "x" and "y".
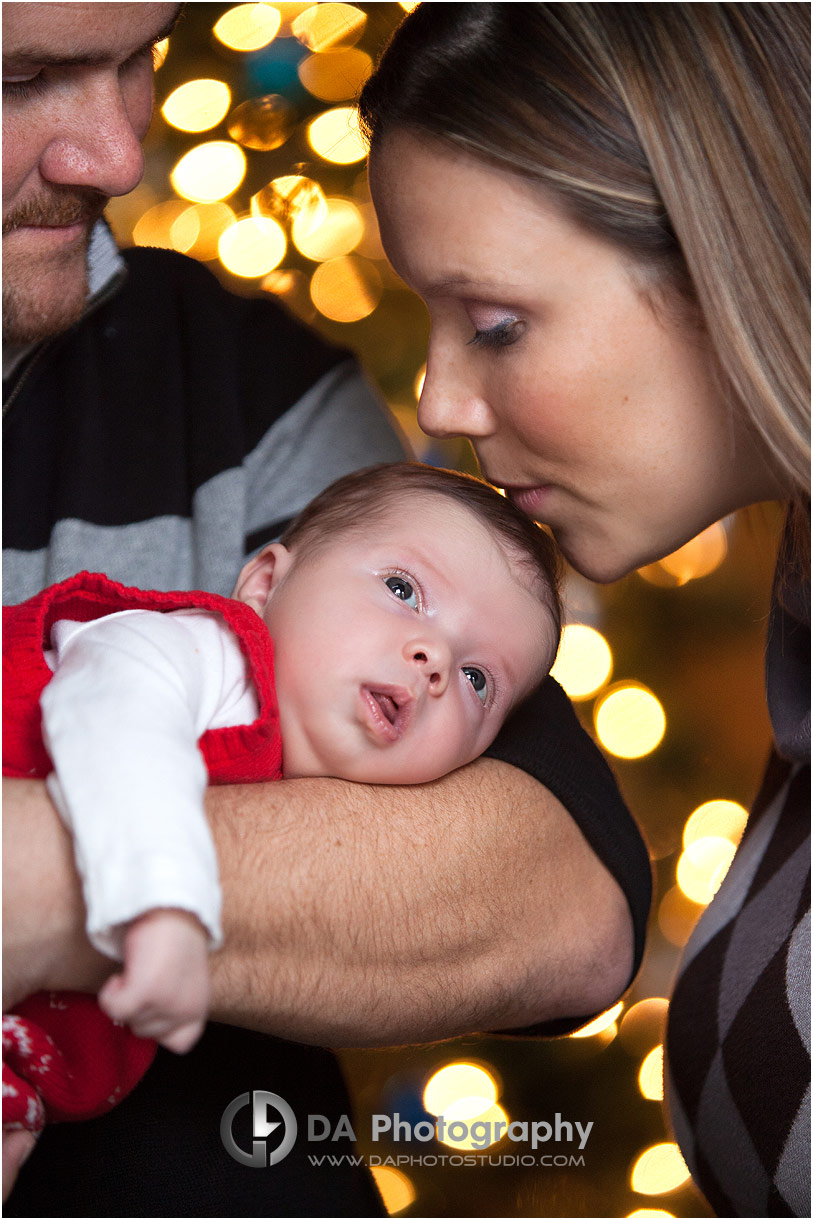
{"x": 384, "y": 639}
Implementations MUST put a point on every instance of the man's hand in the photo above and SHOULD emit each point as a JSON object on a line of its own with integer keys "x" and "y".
{"x": 17, "y": 1148}
{"x": 44, "y": 944}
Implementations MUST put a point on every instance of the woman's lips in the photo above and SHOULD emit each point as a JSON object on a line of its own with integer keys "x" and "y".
{"x": 387, "y": 710}
{"x": 529, "y": 500}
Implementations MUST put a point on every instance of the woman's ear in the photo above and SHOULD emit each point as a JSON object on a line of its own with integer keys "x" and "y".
{"x": 262, "y": 575}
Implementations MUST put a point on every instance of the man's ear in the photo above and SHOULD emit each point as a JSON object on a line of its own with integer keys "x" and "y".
{"x": 262, "y": 575}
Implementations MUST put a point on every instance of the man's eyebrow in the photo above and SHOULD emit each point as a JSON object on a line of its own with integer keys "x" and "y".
{"x": 56, "y": 60}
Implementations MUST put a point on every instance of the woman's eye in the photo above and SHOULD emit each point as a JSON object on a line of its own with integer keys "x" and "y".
{"x": 402, "y": 589}
{"x": 478, "y": 681}
{"x": 502, "y": 335}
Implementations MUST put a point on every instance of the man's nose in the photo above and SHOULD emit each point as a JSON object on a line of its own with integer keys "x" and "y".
{"x": 450, "y": 407}
{"x": 433, "y": 659}
{"x": 96, "y": 145}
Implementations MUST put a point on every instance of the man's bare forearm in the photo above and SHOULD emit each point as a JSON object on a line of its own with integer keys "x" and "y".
{"x": 358, "y": 915}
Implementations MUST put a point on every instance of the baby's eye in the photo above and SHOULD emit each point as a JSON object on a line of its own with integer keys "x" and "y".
{"x": 402, "y": 589}
{"x": 478, "y": 681}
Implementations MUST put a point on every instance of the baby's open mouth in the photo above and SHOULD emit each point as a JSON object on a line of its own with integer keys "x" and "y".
{"x": 387, "y": 704}
{"x": 388, "y": 710}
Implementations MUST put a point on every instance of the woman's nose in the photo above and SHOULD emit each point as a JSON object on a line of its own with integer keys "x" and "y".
{"x": 433, "y": 659}
{"x": 448, "y": 407}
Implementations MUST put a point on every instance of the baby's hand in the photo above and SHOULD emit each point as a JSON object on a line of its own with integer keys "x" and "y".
{"x": 163, "y": 990}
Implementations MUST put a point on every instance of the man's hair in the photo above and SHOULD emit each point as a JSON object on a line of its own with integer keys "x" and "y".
{"x": 351, "y": 503}
{"x": 679, "y": 132}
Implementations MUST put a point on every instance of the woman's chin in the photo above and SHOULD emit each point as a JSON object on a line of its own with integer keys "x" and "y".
{"x": 600, "y": 562}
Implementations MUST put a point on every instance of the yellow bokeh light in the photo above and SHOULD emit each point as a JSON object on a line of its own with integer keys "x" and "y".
{"x": 409, "y": 5}
{"x": 199, "y": 228}
{"x": 154, "y": 228}
{"x": 288, "y": 12}
{"x": 262, "y": 123}
{"x": 159, "y": 53}
{"x": 470, "y": 1110}
{"x": 699, "y": 557}
{"x": 419, "y": 380}
{"x": 252, "y": 247}
{"x": 396, "y": 1189}
{"x": 326, "y": 27}
{"x": 209, "y": 172}
{"x": 335, "y": 75}
{"x": 604, "y": 1020}
{"x": 185, "y": 230}
{"x": 248, "y": 26}
{"x": 677, "y": 916}
{"x": 346, "y": 289}
{"x": 659, "y": 1169}
{"x": 724, "y": 818}
{"x": 703, "y": 865}
{"x": 629, "y": 720}
{"x": 650, "y": 1077}
{"x": 456, "y": 1080}
{"x": 646, "y": 1211}
{"x": 584, "y": 661}
{"x": 335, "y": 135}
{"x": 197, "y": 105}
{"x": 338, "y": 232}
{"x": 643, "y": 1025}
{"x": 292, "y": 198}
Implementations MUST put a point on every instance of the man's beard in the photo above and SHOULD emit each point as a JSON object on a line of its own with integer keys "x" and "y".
{"x": 44, "y": 295}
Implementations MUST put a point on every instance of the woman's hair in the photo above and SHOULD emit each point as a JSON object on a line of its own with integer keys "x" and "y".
{"x": 680, "y": 132}
{"x": 355, "y": 503}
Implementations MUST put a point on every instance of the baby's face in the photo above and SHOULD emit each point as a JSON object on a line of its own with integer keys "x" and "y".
{"x": 400, "y": 652}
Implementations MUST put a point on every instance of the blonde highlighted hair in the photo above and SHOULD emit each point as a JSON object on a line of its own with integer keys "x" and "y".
{"x": 678, "y": 131}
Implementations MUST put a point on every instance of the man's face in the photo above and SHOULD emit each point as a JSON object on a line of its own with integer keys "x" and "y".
{"x": 77, "y": 101}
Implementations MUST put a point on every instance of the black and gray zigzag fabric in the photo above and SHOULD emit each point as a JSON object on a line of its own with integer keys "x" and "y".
{"x": 738, "y": 1046}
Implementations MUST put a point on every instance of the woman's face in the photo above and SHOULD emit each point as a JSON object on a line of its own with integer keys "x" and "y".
{"x": 600, "y": 416}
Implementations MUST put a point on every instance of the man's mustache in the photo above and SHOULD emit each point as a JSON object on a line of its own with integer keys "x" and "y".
{"x": 74, "y": 207}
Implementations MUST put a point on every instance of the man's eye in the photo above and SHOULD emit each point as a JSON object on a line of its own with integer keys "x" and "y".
{"x": 22, "y": 86}
{"x": 478, "y": 681}
{"x": 402, "y": 589}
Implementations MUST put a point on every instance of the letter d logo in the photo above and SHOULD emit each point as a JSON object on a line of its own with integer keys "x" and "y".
{"x": 261, "y": 1127}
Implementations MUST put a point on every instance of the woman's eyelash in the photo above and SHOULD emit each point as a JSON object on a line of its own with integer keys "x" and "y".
{"x": 502, "y": 335}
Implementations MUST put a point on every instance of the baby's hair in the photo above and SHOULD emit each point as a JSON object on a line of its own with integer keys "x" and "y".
{"x": 348, "y": 505}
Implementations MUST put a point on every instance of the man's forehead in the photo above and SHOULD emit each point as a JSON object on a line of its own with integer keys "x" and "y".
{"x": 83, "y": 32}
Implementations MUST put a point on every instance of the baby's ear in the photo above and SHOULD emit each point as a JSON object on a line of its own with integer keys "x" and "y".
{"x": 261, "y": 575}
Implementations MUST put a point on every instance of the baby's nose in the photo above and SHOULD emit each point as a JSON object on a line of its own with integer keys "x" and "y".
{"x": 432, "y": 658}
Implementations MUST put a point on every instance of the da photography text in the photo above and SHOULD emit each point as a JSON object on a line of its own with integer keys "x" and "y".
{"x": 274, "y": 1131}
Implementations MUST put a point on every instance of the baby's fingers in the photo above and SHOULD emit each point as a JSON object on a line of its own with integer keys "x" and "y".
{"x": 183, "y": 1038}
{"x": 116, "y": 998}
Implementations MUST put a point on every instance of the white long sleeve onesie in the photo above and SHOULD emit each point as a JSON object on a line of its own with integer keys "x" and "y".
{"x": 131, "y": 694}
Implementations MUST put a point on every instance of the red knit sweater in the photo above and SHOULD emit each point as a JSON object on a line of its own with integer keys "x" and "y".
{"x": 62, "y": 1057}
